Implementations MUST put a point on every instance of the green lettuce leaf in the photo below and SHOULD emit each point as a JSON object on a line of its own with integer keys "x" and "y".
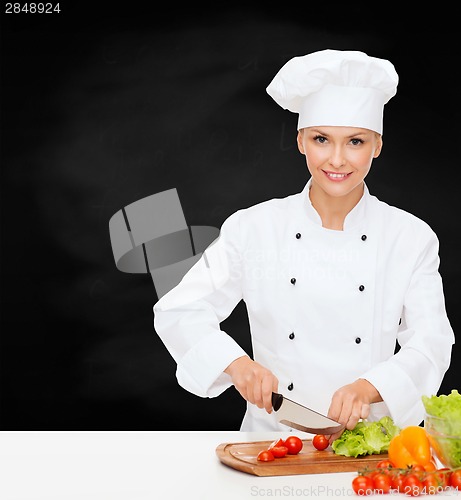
{"x": 448, "y": 409}
{"x": 390, "y": 428}
{"x": 367, "y": 438}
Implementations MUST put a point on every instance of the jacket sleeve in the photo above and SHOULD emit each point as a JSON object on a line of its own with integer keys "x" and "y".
{"x": 425, "y": 338}
{"x": 187, "y": 318}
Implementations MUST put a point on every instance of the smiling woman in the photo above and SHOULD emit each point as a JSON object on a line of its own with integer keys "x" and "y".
{"x": 323, "y": 329}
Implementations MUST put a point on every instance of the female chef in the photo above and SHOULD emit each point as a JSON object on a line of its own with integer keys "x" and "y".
{"x": 333, "y": 278}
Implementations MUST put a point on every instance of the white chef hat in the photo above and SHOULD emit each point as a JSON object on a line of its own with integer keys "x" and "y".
{"x": 336, "y": 88}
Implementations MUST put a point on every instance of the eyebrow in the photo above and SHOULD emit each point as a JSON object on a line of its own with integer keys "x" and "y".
{"x": 321, "y": 132}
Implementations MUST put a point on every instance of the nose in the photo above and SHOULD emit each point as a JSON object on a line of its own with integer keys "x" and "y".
{"x": 337, "y": 158}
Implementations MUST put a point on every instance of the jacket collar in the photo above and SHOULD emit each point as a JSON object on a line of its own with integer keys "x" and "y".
{"x": 353, "y": 218}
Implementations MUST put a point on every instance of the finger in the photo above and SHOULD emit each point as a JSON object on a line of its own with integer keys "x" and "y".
{"x": 335, "y": 409}
{"x": 365, "y": 411}
{"x": 352, "y": 421}
{"x": 359, "y": 411}
{"x": 269, "y": 385}
{"x": 346, "y": 413}
{"x": 334, "y": 436}
{"x": 257, "y": 392}
{"x": 266, "y": 387}
{"x": 275, "y": 384}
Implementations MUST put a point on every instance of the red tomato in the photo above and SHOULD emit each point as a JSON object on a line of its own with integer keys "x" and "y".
{"x": 372, "y": 473}
{"x": 432, "y": 484}
{"x": 444, "y": 476}
{"x": 397, "y": 481}
{"x": 294, "y": 445}
{"x": 382, "y": 483}
{"x": 412, "y": 486}
{"x": 320, "y": 442}
{"x": 362, "y": 485}
{"x": 385, "y": 465}
{"x": 418, "y": 470}
{"x": 455, "y": 479}
{"x": 279, "y": 451}
{"x": 277, "y": 442}
{"x": 265, "y": 456}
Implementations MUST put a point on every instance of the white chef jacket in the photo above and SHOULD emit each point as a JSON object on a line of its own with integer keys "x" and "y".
{"x": 325, "y": 307}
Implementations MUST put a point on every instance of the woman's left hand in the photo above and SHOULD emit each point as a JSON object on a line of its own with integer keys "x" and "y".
{"x": 351, "y": 403}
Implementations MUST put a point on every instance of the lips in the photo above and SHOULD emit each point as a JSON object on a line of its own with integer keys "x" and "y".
{"x": 335, "y": 176}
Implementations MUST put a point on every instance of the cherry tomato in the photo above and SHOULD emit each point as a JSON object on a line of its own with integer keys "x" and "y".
{"x": 432, "y": 484}
{"x": 266, "y": 456}
{"x": 279, "y": 451}
{"x": 372, "y": 473}
{"x": 412, "y": 486}
{"x": 320, "y": 442}
{"x": 397, "y": 481}
{"x": 382, "y": 483}
{"x": 362, "y": 485}
{"x": 444, "y": 476}
{"x": 418, "y": 470}
{"x": 455, "y": 479}
{"x": 294, "y": 445}
{"x": 385, "y": 464}
{"x": 278, "y": 442}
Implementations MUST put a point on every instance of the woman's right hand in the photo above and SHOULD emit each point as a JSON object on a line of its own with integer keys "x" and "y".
{"x": 253, "y": 381}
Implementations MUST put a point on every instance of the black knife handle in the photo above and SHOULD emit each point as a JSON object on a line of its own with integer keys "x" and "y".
{"x": 277, "y": 400}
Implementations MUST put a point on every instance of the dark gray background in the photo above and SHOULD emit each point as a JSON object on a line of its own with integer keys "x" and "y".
{"x": 103, "y": 107}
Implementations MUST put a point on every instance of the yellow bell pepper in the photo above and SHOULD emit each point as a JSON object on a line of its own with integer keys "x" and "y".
{"x": 410, "y": 447}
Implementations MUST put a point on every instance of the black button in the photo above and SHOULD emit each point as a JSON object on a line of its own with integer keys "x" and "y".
{"x": 293, "y": 281}
{"x": 298, "y": 235}
{"x": 358, "y": 340}
{"x": 290, "y": 387}
{"x": 361, "y": 288}
{"x": 291, "y": 336}
{"x": 364, "y": 237}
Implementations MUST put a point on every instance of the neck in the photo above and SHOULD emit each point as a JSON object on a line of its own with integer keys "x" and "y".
{"x": 334, "y": 209}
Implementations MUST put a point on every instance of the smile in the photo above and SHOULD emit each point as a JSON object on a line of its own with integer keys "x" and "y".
{"x": 335, "y": 176}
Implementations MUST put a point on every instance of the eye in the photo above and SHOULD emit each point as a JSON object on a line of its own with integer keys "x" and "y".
{"x": 320, "y": 139}
{"x": 356, "y": 141}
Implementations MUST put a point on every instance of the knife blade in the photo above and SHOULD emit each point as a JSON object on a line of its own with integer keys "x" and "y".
{"x": 302, "y": 418}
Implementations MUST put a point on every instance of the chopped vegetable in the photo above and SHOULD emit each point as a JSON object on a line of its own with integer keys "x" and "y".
{"x": 367, "y": 438}
{"x": 280, "y": 448}
{"x": 265, "y": 456}
{"x": 279, "y": 451}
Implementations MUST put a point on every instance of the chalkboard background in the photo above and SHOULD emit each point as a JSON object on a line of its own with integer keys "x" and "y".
{"x": 102, "y": 107}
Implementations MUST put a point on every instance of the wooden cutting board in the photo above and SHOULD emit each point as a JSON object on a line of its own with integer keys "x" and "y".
{"x": 243, "y": 457}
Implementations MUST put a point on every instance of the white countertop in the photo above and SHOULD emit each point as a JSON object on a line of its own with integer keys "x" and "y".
{"x": 146, "y": 466}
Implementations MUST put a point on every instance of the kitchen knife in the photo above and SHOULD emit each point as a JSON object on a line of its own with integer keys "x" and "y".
{"x": 304, "y": 419}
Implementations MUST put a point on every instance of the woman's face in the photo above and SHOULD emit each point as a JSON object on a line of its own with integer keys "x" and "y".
{"x": 338, "y": 158}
